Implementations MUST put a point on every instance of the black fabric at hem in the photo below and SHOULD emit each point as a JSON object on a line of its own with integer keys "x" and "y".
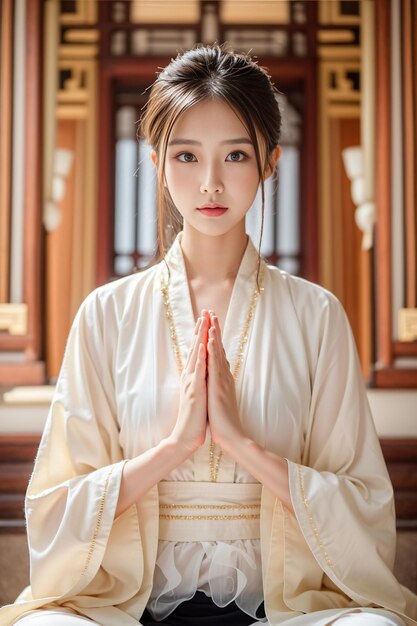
{"x": 203, "y": 609}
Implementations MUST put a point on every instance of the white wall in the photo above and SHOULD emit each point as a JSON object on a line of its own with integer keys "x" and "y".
{"x": 394, "y": 411}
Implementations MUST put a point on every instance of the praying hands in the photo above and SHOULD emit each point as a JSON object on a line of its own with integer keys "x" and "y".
{"x": 222, "y": 408}
{"x": 223, "y": 414}
{"x": 207, "y": 391}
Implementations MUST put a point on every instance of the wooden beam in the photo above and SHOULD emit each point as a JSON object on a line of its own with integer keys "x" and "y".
{"x": 19, "y": 447}
{"x": 395, "y": 378}
{"x": 12, "y": 374}
{"x": 405, "y": 348}
{"x": 401, "y": 459}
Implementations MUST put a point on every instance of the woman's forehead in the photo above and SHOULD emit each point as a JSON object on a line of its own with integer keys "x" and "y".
{"x": 208, "y": 118}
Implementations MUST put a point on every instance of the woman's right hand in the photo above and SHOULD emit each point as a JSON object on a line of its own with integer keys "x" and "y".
{"x": 190, "y": 429}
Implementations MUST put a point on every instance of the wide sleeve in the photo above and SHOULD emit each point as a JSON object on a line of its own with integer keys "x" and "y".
{"x": 341, "y": 491}
{"x": 73, "y": 491}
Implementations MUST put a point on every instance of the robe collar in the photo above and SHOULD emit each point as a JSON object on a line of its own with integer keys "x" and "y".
{"x": 180, "y": 300}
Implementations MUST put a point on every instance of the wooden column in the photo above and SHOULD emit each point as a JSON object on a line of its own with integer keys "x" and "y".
{"x": 387, "y": 372}
{"x": 6, "y": 44}
{"x": 410, "y": 148}
{"x": 33, "y": 176}
{"x": 105, "y": 225}
{"x": 383, "y": 188}
{"x": 31, "y": 370}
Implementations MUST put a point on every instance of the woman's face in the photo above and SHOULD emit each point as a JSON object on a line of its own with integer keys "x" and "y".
{"x": 211, "y": 159}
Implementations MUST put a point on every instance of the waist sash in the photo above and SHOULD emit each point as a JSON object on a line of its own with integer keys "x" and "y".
{"x": 205, "y": 511}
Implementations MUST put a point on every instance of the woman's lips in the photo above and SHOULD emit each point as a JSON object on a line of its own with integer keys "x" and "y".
{"x": 213, "y": 212}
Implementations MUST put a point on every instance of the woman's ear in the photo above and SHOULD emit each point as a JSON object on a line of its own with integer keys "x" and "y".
{"x": 154, "y": 159}
{"x": 275, "y": 156}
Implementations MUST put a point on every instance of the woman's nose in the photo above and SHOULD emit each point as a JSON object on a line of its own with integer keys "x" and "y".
{"x": 211, "y": 184}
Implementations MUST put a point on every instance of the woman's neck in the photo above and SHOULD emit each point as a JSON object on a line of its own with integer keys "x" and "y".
{"x": 213, "y": 259}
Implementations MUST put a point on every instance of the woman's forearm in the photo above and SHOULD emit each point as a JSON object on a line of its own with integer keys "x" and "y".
{"x": 270, "y": 469}
{"x": 144, "y": 471}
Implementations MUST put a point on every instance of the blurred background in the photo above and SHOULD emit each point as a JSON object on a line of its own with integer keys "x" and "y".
{"x": 77, "y": 191}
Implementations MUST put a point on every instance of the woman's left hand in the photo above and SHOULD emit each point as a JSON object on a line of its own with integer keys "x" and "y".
{"x": 223, "y": 412}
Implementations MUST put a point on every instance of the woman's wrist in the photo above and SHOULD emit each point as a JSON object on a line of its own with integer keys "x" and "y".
{"x": 146, "y": 470}
{"x": 268, "y": 468}
{"x": 234, "y": 441}
{"x": 178, "y": 447}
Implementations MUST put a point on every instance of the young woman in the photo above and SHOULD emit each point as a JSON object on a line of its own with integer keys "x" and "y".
{"x": 209, "y": 456}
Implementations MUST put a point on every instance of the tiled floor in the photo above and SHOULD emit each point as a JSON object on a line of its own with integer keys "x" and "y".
{"x": 14, "y": 563}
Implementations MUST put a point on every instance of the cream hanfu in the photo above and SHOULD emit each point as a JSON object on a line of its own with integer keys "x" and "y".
{"x": 300, "y": 395}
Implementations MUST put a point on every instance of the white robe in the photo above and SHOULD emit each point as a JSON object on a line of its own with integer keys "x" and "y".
{"x": 300, "y": 395}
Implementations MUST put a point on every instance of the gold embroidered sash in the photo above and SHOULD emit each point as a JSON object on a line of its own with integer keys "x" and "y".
{"x": 206, "y": 511}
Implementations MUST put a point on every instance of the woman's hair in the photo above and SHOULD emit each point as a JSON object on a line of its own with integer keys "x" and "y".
{"x": 204, "y": 73}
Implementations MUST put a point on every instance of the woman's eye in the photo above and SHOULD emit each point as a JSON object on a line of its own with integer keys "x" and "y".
{"x": 235, "y": 156}
{"x": 186, "y": 156}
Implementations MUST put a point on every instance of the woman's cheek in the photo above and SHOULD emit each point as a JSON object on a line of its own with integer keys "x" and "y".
{"x": 247, "y": 180}
{"x": 177, "y": 180}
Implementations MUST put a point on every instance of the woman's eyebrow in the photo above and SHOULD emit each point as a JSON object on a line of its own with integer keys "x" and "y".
{"x": 192, "y": 142}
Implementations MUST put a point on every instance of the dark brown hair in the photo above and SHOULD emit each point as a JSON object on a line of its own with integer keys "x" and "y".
{"x": 204, "y": 73}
